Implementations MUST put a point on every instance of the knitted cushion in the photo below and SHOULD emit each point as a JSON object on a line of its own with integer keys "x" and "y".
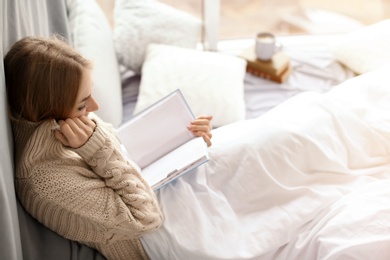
{"x": 139, "y": 23}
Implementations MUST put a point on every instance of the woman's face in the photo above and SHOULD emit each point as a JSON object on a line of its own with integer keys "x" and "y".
{"x": 85, "y": 103}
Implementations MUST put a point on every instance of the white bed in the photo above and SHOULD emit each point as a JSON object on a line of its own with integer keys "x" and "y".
{"x": 307, "y": 180}
{"x": 304, "y": 176}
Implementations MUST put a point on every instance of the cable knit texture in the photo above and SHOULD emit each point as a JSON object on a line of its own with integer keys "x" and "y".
{"x": 139, "y": 23}
{"x": 90, "y": 194}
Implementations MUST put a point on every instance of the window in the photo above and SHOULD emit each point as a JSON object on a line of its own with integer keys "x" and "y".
{"x": 244, "y": 18}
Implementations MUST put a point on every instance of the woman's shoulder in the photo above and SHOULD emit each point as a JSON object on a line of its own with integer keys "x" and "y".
{"x": 36, "y": 146}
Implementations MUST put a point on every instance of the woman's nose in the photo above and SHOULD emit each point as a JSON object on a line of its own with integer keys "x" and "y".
{"x": 93, "y": 105}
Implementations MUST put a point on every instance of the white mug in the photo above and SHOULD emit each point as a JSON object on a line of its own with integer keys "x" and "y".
{"x": 266, "y": 46}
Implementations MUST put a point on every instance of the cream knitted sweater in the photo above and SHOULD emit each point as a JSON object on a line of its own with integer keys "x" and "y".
{"x": 90, "y": 194}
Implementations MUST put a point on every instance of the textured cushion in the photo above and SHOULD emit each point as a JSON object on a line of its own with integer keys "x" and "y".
{"x": 139, "y": 23}
{"x": 365, "y": 49}
{"x": 93, "y": 37}
{"x": 212, "y": 83}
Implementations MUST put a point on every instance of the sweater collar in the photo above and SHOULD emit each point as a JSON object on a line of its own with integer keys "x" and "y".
{"x": 24, "y": 129}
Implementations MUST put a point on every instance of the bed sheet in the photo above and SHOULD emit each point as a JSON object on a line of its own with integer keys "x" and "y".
{"x": 307, "y": 180}
{"x": 314, "y": 69}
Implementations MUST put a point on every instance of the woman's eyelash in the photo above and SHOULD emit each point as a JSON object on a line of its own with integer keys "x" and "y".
{"x": 81, "y": 108}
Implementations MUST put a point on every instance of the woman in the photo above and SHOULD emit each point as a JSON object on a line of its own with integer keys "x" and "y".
{"x": 70, "y": 173}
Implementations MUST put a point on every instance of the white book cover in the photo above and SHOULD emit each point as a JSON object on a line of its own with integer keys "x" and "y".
{"x": 157, "y": 139}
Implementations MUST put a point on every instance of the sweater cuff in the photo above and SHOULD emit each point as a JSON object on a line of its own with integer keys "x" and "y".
{"x": 95, "y": 143}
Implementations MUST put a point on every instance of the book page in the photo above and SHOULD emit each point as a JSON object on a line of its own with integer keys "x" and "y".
{"x": 157, "y": 130}
{"x": 179, "y": 161}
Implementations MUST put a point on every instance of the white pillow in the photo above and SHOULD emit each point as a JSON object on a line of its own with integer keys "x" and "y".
{"x": 365, "y": 49}
{"x": 92, "y": 36}
{"x": 212, "y": 83}
{"x": 141, "y": 22}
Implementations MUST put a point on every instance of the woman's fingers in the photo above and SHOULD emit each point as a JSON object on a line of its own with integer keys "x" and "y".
{"x": 205, "y": 117}
{"x": 196, "y": 128}
{"x": 75, "y": 132}
{"x": 87, "y": 122}
{"x": 203, "y": 120}
{"x": 201, "y": 127}
{"x": 207, "y": 139}
{"x": 61, "y": 137}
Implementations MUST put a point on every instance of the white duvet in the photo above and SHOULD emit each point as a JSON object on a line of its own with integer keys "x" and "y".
{"x": 308, "y": 180}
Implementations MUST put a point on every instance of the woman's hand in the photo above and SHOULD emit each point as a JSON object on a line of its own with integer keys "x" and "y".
{"x": 201, "y": 126}
{"x": 75, "y": 132}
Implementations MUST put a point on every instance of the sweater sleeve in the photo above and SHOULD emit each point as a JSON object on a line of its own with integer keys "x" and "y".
{"x": 98, "y": 198}
{"x": 124, "y": 180}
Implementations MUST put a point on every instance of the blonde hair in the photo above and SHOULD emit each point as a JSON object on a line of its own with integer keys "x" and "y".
{"x": 43, "y": 76}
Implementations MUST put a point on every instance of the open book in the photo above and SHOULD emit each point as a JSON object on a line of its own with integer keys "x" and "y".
{"x": 157, "y": 139}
